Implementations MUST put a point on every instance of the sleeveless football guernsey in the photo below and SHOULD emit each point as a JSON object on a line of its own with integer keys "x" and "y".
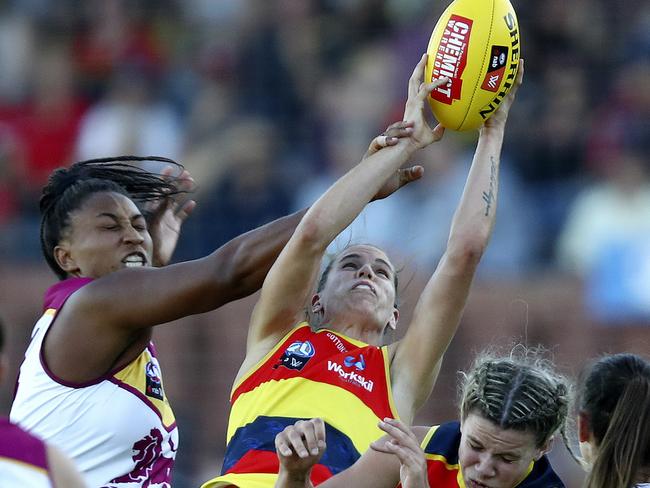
{"x": 118, "y": 429}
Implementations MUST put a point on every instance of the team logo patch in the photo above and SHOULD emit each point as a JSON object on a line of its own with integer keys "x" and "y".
{"x": 297, "y": 355}
{"x": 154, "y": 386}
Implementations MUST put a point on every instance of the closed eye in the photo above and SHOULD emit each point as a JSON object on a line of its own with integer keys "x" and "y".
{"x": 476, "y": 447}
{"x": 349, "y": 265}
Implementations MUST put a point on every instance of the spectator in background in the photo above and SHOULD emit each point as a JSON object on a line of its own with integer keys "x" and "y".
{"x": 46, "y": 124}
{"x": 605, "y": 240}
{"x": 131, "y": 119}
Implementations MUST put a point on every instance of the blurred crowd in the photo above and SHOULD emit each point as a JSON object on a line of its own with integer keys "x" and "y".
{"x": 266, "y": 102}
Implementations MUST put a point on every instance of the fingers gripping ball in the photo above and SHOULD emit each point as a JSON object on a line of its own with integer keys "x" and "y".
{"x": 476, "y": 45}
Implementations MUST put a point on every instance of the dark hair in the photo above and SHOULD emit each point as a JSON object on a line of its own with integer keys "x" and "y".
{"x": 521, "y": 391}
{"x": 615, "y": 396}
{"x": 68, "y": 188}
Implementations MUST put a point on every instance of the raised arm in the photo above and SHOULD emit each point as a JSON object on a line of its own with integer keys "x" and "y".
{"x": 289, "y": 281}
{"x": 416, "y": 358}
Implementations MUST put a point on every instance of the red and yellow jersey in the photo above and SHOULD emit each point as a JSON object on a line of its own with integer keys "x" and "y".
{"x": 441, "y": 450}
{"x": 308, "y": 374}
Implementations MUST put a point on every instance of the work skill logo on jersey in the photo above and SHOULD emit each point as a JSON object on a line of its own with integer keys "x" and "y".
{"x": 352, "y": 376}
{"x": 154, "y": 386}
{"x": 358, "y": 363}
{"x": 297, "y": 355}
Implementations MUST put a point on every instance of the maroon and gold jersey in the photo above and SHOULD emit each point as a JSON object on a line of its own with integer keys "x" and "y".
{"x": 308, "y": 374}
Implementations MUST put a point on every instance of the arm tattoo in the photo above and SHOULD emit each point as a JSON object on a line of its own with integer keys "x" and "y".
{"x": 488, "y": 196}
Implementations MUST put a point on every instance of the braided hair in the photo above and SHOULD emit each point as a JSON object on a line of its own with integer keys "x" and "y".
{"x": 68, "y": 188}
{"x": 521, "y": 391}
{"x": 615, "y": 396}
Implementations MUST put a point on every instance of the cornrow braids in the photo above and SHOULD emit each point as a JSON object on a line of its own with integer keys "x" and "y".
{"x": 521, "y": 391}
{"x": 68, "y": 188}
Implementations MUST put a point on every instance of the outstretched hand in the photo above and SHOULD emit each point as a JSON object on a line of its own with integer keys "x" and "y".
{"x": 418, "y": 91}
{"x": 403, "y": 443}
{"x": 390, "y": 137}
{"x": 299, "y": 448}
{"x": 166, "y": 217}
{"x": 499, "y": 118}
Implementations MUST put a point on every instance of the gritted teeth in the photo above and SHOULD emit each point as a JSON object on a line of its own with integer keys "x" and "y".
{"x": 135, "y": 259}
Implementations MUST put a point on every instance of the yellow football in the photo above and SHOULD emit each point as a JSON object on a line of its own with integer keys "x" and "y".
{"x": 476, "y": 45}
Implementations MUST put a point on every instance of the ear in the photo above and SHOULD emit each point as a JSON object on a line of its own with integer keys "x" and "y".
{"x": 548, "y": 445}
{"x": 64, "y": 259}
{"x": 584, "y": 432}
{"x": 317, "y": 304}
{"x": 392, "y": 322}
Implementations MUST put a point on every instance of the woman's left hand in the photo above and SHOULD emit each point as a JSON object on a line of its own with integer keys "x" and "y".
{"x": 166, "y": 217}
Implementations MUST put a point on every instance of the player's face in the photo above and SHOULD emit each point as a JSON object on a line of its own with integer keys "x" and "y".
{"x": 361, "y": 281}
{"x": 106, "y": 233}
{"x": 493, "y": 457}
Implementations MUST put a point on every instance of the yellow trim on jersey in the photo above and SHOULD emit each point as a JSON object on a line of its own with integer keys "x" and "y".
{"x": 443, "y": 460}
{"x": 134, "y": 375}
{"x": 389, "y": 385}
{"x": 530, "y": 468}
{"x": 25, "y": 465}
{"x": 266, "y": 357}
{"x": 428, "y": 437}
{"x": 50, "y": 311}
{"x": 337, "y": 407}
{"x": 459, "y": 478}
{"x": 242, "y": 480}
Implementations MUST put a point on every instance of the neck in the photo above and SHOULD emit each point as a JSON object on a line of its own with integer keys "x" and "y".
{"x": 368, "y": 333}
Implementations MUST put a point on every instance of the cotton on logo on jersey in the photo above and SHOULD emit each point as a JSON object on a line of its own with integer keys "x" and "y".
{"x": 351, "y": 376}
{"x": 451, "y": 59}
{"x": 296, "y": 355}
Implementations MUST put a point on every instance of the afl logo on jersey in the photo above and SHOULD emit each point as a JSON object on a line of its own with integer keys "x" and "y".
{"x": 154, "y": 383}
{"x": 296, "y": 355}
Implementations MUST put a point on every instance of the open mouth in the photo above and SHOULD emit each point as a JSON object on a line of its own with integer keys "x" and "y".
{"x": 365, "y": 285}
{"x": 135, "y": 260}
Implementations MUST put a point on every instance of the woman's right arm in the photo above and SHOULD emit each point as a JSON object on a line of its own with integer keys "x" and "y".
{"x": 289, "y": 281}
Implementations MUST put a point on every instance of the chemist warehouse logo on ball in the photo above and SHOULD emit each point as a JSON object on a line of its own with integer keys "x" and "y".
{"x": 359, "y": 364}
{"x": 451, "y": 59}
